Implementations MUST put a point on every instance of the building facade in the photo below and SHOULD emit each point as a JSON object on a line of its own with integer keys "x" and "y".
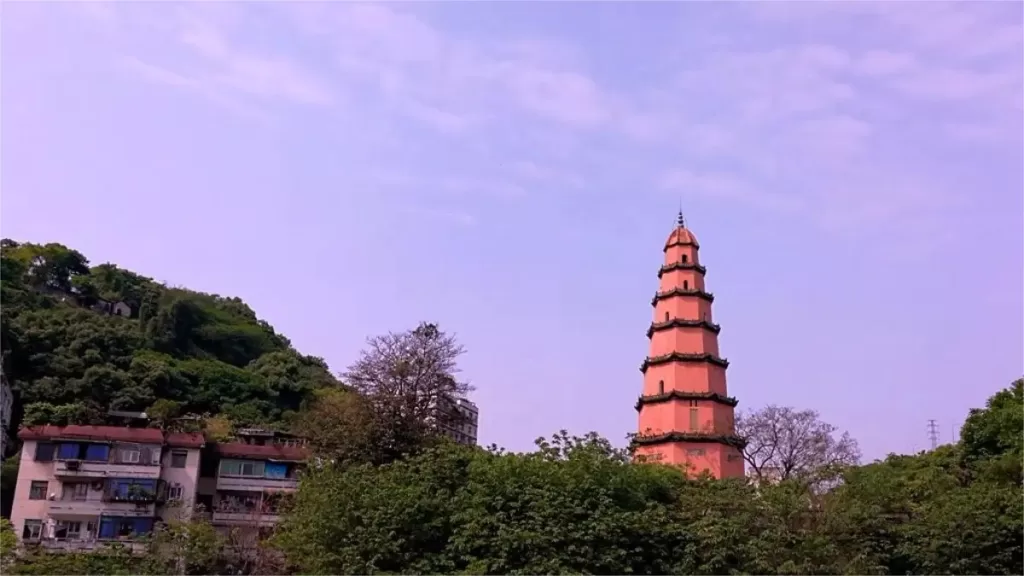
{"x": 685, "y": 411}
{"x": 462, "y": 428}
{"x": 244, "y": 483}
{"x": 80, "y": 486}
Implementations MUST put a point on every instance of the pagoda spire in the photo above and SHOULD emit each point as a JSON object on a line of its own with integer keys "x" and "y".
{"x": 685, "y": 413}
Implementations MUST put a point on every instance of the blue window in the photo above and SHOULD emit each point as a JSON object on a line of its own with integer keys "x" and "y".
{"x": 114, "y": 527}
{"x": 44, "y": 452}
{"x": 68, "y": 451}
{"x": 131, "y": 489}
{"x": 97, "y": 452}
{"x": 276, "y": 470}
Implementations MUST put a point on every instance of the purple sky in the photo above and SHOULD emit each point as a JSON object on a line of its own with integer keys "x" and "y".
{"x": 511, "y": 171}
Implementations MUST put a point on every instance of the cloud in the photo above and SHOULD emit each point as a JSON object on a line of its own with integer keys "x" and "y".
{"x": 823, "y": 110}
{"x": 159, "y": 75}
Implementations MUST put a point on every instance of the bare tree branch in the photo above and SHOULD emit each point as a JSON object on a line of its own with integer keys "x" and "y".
{"x": 784, "y": 443}
{"x": 409, "y": 380}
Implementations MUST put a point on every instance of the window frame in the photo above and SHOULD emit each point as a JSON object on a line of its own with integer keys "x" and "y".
{"x": 32, "y": 494}
{"x": 45, "y": 452}
{"x": 26, "y": 533}
{"x": 183, "y": 454}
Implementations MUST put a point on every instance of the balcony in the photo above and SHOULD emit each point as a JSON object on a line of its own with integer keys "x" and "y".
{"x": 253, "y": 518}
{"x": 256, "y": 483}
{"x": 97, "y": 469}
{"x": 100, "y": 506}
{"x": 90, "y": 544}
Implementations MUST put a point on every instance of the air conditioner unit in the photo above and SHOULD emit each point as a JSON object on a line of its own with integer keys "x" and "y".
{"x": 72, "y": 464}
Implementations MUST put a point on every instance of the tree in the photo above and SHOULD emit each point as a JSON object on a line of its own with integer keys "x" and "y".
{"x": 996, "y": 429}
{"x": 408, "y": 379}
{"x": 338, "y": 424}
{"x": 784, "y": 443}
{"x": 71, "y": 365}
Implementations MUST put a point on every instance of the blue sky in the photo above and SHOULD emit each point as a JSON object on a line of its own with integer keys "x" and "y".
{"x": 511, "y": 170}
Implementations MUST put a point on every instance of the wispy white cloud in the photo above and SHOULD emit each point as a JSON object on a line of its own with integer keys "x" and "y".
{"x": 821, "y": 118}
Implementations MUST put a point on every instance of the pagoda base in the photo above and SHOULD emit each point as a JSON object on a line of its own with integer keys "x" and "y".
{"x": 719, "y": 460}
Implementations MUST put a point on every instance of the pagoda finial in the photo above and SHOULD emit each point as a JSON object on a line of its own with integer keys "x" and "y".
{"x": 679, "y": 219}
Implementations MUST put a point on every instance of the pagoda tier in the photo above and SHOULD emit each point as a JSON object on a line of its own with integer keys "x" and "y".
{"x": 686, "y": 414}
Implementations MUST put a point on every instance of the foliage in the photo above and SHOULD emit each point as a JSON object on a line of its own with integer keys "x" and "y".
{"x": 8, "y": 479}
{"x": 339, "y": 426}
{"x": 202, "y": 353}
{"x": 784, "y": 443}
{"x": 579, "y": 505}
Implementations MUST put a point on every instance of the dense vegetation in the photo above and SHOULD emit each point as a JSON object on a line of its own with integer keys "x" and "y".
{"x": 385, "y": 496}
{"x": 72, "y": 364}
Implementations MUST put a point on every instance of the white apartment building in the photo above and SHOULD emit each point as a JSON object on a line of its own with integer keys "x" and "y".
{"x": 462, "y": 428}
{"x": 79, "y": 486}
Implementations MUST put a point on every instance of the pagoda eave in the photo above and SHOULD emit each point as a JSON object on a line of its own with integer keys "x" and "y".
{"x": 683, "y": 243}
{"x": 680, "y": 323}
{"x": 690, "y": 437}
{"x": 681, "y": 266}
{"x": 706, "y": 296}
{"x": 680, "y": 395}
{"x": 686, "y": 358}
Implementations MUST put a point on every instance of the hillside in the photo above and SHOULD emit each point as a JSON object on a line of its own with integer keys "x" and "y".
{"x": 79, "y": 341}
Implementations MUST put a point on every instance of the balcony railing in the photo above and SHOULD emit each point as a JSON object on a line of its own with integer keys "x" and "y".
{"x": 98, "y": 469}
{"x": 248, "y": 518}
{"x": 96, "y": 506}
{"x": 256, "y": 483}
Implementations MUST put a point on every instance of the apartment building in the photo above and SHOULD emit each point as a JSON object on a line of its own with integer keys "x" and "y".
{"x": 462, "y": 427}
{"x": 79, "y": 486}
{"x": 245, "y": 482}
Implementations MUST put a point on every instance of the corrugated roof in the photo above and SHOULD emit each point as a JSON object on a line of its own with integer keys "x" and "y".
{"x": 111, "y": 434}
{"x": 270, "y": 452}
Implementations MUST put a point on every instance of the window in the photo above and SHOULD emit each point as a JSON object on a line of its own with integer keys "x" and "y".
{"x": 37, "y": 490}
{"x": 69, "y": 451}
{"x": 132, "y": 489}
{"x": 175, "y": 492}
{"x": 33, "y": 530}
{"x": 666, "y": 316}
{"x": 44, "y": 452}
{"x": 693, "y": 418}
{"x": 178, "y": 458}
{"x": 97, "y": 452}
{"x": 661, "y": 386}
{"x": 124, "y": 527}
{"x": 129, "y": 455}
{"x": 695, "y": 452}
{"x": 66, "y": 529}
{"x": 686, "y": 285}
{"x": 76, "y": 491}
{"x": 252, "y": 468}
{"x": 684, "y": 259}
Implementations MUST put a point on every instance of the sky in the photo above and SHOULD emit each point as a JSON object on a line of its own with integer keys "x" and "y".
{"x": 511, "y": 170}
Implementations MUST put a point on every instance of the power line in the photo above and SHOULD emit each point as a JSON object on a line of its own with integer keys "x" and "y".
{"x": 933, "y": 433}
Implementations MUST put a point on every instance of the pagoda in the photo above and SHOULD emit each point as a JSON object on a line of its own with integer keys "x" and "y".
{"x": 686, "y": 413}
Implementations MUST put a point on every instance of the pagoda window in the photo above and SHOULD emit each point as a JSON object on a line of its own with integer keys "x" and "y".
{"x": 684, "y": 259}
{"x": 666, "y": 316}
{"x": 686, "y": 285}
{"x": 661, "y": 386}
